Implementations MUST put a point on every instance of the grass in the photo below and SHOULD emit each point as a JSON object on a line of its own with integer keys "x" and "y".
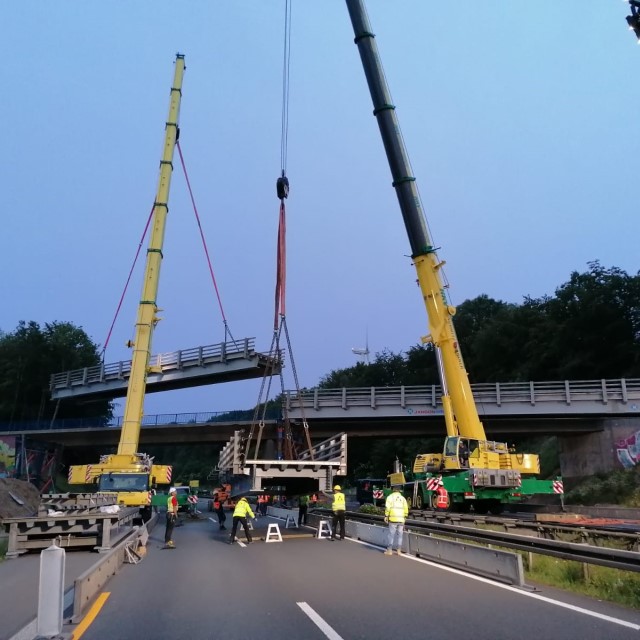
{"x": 603, "y": 583}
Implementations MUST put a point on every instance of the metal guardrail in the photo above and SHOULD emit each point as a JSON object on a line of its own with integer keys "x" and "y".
{"x": 565, "y": 392}
{"x": 586, "y": 553}
{"x": 164, "y": 362}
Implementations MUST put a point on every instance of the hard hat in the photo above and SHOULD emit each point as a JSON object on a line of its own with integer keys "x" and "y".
{"x": 336, "y": 488}
{"x": 172, "y": 490}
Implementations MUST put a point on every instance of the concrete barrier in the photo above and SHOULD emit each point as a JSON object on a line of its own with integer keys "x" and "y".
{"x": 503, "y": 566}
{"x": 87, "y": 585}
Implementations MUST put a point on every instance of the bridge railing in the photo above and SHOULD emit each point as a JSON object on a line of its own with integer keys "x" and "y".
{"x": 499, "y": 393}
{"x": 157, "y": 420}
{"x": 185, "y": 358}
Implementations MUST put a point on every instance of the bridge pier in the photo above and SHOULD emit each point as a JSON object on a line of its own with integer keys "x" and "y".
{"x": 610, "y": 448}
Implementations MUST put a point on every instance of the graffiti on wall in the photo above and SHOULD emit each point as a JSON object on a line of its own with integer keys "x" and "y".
{"x": 7, "y": 456}
{"x": 628, "y": 450}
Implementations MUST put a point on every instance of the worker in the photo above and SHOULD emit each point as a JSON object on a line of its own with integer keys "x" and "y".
{"x": 339, "y": 507}
{"x": 218, "y": 509}
{"x": 172, "y": 517}
{"x": 396, "y": 510}
{"x": 303, "y": 506}
{"x": 442, "y": 496}
{"x": 240, "y": 513}
{"x": 463, "y": 453}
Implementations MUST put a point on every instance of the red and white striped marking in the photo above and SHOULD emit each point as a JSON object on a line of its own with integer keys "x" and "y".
{"x": 169, "y": 472}
{"x": 69, "y": 475}
{"x": 149, "y": 493}
{"x": 558, "y": 487}
{"x": 432, "y": 484}
{"x": 87, "y": 474}
{"x": 193, "y": 499}
{"x": 378, "y": 494}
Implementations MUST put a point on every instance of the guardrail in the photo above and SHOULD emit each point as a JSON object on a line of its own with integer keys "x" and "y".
{"x": 531, "y": 393}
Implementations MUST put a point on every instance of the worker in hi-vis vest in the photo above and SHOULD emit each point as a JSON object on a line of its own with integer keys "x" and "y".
{"x": 172, "y": 518}
{"x": 396, "y": 511}
{"x": 240, "y": 513}
{"x": 339, "y": 507}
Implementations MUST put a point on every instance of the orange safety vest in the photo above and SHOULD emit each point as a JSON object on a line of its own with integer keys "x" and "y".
{"x": 442, "y": 500}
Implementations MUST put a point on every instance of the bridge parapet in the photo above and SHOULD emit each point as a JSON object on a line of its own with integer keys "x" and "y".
{"x": 596, "y": 397}
{"x": 220, "y": 362}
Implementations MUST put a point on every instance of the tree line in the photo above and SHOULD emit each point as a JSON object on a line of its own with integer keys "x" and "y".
{"x": 588, "y": 329}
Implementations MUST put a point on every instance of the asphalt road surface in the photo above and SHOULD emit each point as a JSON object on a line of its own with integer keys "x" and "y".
{"x": 305, "y": 588}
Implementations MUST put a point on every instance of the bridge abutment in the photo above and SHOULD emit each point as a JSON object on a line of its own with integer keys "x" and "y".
{"x": 608, "y": 449}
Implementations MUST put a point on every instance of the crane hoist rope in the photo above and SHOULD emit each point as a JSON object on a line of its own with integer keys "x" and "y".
{"x": 126, "y": 286}
{"x": 286, "y": 445}
{"x": 227, "y": 331}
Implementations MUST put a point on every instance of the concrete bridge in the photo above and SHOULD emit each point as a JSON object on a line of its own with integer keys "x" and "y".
{"x": 595, "y": 421}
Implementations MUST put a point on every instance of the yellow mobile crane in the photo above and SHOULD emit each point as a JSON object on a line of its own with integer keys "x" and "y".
{"x": 128, "y": 473}
{"x": 472, "y": 468}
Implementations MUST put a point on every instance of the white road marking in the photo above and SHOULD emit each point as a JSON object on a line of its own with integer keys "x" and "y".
{"x": 319, "y": 622}
{"x": 520, "y": 592}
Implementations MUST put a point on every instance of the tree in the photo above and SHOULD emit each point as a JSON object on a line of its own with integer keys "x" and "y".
{"x": 28, "y": 357}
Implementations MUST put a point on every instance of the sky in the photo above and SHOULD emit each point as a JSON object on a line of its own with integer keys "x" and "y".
{"x": 520, "y": 119}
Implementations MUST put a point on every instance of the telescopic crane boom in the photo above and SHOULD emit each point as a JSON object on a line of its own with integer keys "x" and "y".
{"x": 474, "y": 467}
{"x": 128, "y": 472}
{"x": 460, "y": 412}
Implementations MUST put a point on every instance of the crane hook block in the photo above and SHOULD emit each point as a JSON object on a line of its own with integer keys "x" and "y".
{"x": 282, "y": 187}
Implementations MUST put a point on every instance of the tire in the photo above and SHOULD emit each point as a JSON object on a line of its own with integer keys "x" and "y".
{"x": 496, "y": 507}
{"x": 419, "y": 501}
{"x": 481, "y": 507}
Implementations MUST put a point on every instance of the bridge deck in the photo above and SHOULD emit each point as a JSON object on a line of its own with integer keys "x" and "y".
{"x": 223, "y": 362}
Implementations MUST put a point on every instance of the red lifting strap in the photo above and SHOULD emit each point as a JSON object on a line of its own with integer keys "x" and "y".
{"x": 281, "y": 275}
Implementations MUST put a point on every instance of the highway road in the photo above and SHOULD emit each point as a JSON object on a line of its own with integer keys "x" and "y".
{"x": 305, "y": 588}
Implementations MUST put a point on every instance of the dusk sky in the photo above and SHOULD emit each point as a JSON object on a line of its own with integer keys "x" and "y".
{"x": 520, "y": 119}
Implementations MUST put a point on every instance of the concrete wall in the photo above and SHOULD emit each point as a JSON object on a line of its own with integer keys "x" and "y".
{"x": 600, "y": 452}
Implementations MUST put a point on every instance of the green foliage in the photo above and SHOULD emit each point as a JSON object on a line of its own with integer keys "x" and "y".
{"x": 589, "y": 329}
{"x": 619, "y": 487}
{"x": 371, "y": 510}
{"x": 28, "y": 356}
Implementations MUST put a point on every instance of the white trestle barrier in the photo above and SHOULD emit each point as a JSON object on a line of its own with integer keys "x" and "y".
{"x": 290, "y": 523}
{"x": 51, "y": 592}
{"x": 324, "y": 528}
{"x": 273, "y": 532}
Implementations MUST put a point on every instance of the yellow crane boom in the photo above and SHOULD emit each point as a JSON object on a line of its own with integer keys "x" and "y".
{"x": 128, "y": 472}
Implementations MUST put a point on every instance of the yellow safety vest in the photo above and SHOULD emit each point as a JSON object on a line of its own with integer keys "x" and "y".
{"x": 242, "y": 510}
{"x": 170, "y": 507}
{"x": 339, "y": 501}
{"x": 396, "y": 507}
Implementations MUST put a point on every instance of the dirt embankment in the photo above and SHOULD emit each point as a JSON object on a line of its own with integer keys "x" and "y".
{"x": 17, "y": 498}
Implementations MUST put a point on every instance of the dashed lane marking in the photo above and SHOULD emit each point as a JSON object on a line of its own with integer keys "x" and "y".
{"x": 319, "y": 622}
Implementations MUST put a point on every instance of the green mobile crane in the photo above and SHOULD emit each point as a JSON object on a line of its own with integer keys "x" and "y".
{"x": 474, "y": 470}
